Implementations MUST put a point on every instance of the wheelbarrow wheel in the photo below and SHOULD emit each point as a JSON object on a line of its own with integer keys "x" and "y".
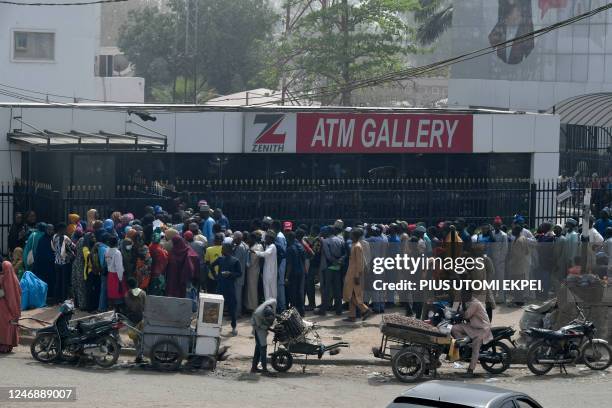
{"x": 166, "y": 355}
{"x": 408, "y": 364}
{"x": 282, "y": 360}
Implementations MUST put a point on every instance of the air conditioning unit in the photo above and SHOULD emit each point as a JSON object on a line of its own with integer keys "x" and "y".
{"x": 109, "y": 65}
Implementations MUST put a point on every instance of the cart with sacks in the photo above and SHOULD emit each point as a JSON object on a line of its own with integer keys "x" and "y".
{"x": 413, "y": 346}
{"x": 295, "y": 336}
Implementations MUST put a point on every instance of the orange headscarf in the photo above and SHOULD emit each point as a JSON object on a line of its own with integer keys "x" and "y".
{"x": 73, "y": 220}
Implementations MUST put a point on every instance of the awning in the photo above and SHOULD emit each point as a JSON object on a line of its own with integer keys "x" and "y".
{"x": 587, "y": 110}
{"x": 75, "y": 140}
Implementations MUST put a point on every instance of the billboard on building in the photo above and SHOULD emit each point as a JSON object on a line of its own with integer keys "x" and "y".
{"x": 323, "y": 132}
{"x": 575, "y": 53}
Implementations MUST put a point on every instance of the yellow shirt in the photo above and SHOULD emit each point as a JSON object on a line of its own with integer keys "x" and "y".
{"x": 211, "y": 255}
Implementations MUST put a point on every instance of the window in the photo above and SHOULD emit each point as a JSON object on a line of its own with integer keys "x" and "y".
{"x": 524, "y": 403}
{"x": 508, "y": 404}
{"x": 33, "y": 46}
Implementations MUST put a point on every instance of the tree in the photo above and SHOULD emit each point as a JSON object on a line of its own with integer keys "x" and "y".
{"x": 341, "y": 41}
{"x": 199, "y": 47}
{"x": 434, "y": 18}
{"x": 148, "y": 40}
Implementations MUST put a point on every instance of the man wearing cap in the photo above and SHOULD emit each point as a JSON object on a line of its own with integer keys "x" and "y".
{"x": 560, "y": 266}
{"x": 207, "y": 223}
{"x": 281, "y": 255}
{"x": 270, "y": 268}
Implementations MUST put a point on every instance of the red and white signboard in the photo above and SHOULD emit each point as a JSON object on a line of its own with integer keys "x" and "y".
{"x": 358, "y": 133}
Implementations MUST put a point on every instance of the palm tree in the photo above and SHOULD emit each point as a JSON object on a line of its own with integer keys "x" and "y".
{"x": 434, "y": 18}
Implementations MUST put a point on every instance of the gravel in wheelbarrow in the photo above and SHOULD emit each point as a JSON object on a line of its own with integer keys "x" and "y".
{"x": 411, "y": 329}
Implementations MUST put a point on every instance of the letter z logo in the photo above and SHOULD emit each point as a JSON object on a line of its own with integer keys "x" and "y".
{"x": 268, "y": 135}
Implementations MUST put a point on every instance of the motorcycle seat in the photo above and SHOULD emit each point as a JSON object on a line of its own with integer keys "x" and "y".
{"x": 500, "y": 329}
{"x": 546, "y": 333}
{"x": 83, "y": 326}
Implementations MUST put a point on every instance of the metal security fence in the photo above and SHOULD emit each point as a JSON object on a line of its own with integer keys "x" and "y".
{"x": 319, "y": 201}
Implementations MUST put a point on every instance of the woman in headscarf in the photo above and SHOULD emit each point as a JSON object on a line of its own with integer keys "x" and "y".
{"x": 44, "y": 260}
{"x": 183, "y": 267}
{"x": 129, "y": 261}
{"x": 159, "y": 257}
{"x": 109, "y": 226}
{"x": 166, "y": 242}
{"x": 30, "y": 249}
{"x": 10, "y": 308}
{"x": 73, "y": 224}
{"x": 92, "y": 280}
{"x": 18, "y": 265}
{"x": 78, "y": 275}
{"x": 116, "y": 217}
{"x": 92, "y": 216}
{"x": 143, "y": 262}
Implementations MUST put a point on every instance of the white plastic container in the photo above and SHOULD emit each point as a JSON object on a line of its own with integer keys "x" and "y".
{"x": 210, "y": 315}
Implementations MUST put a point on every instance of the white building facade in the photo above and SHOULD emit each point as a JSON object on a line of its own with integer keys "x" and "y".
{"x": 51, "y": 53}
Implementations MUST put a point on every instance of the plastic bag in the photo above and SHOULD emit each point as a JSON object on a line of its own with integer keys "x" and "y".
{"x": 33, "y": 291}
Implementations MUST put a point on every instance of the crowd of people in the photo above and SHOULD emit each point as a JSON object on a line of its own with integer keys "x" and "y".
{"x": 104, "y": 263}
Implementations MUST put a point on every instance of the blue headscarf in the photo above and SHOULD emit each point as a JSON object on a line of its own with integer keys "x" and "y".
{"x": 108, "y": 225}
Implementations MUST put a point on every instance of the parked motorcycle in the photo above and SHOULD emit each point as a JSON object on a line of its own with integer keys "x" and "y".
{"x": 60, "y": 341}
{"x": 569, "y": 345}
{"x": 495, "y": 356}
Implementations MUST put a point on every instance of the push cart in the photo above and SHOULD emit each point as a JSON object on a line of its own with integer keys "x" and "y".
{"x": 295, "y": 336}
{"x": 168, "y": 336}
{"x": 413, "y": 348}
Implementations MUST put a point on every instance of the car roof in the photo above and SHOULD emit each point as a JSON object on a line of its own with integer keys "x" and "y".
{"x": 472, "y": 395}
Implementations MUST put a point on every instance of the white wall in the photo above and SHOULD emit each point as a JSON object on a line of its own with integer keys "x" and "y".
{"x": 222, "y": 132}
{"x": 517, "y": 95}
{"x": 120, "y": 89}
{"x": 76, "y": 43}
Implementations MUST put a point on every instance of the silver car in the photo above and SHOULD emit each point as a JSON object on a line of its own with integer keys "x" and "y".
{"x": 448, "y": 394}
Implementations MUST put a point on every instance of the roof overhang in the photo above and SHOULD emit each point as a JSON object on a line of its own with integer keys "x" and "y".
{"x": 586, "y": 110}
{"x": 75, "y": 140}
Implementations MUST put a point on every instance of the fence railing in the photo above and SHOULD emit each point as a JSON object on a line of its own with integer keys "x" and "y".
{"x": 319, "y": 201}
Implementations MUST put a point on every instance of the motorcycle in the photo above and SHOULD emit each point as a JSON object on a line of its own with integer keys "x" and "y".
{"x": 61, "y": 342}
{"x": 568, "y": 345}
{"x": 495, "y": 356}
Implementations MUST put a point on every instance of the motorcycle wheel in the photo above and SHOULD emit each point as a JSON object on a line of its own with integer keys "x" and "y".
{"x": 166, "y": 355}
{"x": 282, "y": 360}
{"x": 46, "y": 348}
{"x": 106, "y": 352}
{"x": 408, "y": 364}
{"x": 597, "y": 354}
{"x": 536, "y": 350}
{"x": 497, "y": 347}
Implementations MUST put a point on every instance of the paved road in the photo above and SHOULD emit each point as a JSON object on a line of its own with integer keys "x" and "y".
{"x": 321, "y": 386}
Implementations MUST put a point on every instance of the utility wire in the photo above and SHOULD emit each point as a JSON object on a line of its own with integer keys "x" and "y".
{"x": 79, "y": 3}
{"x": 317, "y": 92}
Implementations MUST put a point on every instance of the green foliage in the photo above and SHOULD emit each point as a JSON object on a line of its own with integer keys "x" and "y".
{"x": 434, "y": 18}
{"x": 344, "y": 41}
{"x": 229, "y": 49}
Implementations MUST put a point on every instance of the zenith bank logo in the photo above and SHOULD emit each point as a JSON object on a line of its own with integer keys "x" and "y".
{"x": 269, "y": 140}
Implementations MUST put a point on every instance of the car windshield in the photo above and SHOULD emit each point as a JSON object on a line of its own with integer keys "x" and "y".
{"x": 408, "y": 402}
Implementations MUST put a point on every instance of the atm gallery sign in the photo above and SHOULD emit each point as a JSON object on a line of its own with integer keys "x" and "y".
{"x": 357, "y": 133}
